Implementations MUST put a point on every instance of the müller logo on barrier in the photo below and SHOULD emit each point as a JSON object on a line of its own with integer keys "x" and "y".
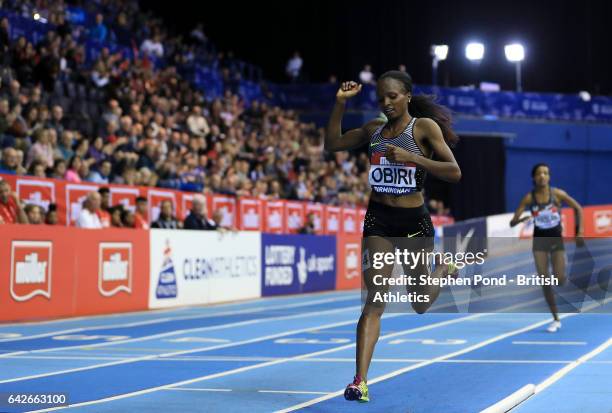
{"x": 603, "y": 221}
{"x": 351, "y": 260}
{"x": 30, "y": 269}
{"x": 36, "y": 192}
{"x": 115, "y": 268}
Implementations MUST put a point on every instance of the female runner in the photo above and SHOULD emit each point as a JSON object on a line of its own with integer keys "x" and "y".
{"x": 544, "y": 203}
{"x": 401, "y": 151}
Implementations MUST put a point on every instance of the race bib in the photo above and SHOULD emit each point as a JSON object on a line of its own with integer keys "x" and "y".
{"x": 546, "y": 218}
{"x": 391, "y": 178}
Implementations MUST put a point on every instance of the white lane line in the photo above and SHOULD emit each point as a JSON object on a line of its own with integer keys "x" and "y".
{"x": 559, "y": 374}
{"x": 229, "y": 390}
{"x": 192, "y": 330}
{"x": 511, "y": 401}
{"x": 200, "y": 349}
{"x": 179, "y": 318}
{"x": 435, "y": 307}
{"x": 529, "y": 390}
{"x": 551, "y": 343}
{"x": 14, "y": 353}
{"x": 419, "y": 360}
{"x": 311, "y": 360}
{"x": 266, "y": 364}
{"x": 149, "y": 357}
{"x": 249, "y": 341}
{"x": 154, "y": 311}
{"x": 444, "y": 357}
{"x": 291, "y": 391}
{"x": 199, "y": 389}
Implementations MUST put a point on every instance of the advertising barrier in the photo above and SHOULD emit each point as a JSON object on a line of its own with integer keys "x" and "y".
{"x": 598, "y": 221}
{"x": 60, "y": 271}
{"x": 202, "y": 267}
{"x": 112, "y": 270}
{"x": 294, "y": 264}
{"x": 48, "y": 272}
{"x": 250, "y": 212}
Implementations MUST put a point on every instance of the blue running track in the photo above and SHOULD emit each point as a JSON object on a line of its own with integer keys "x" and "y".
{"x": 297, "y": 353}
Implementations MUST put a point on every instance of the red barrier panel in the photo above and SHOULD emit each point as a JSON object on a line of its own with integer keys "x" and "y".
{"x": 250, "y": 214}
{"x": 112, "y": 271}
{"x": 294, "y": 213}
{"x": 36, "y": 274}
{"x": 350, "y": 221}
{"x": 48, "y": 272}
{"x": 568, "y": 222}
{"x": 318, "y": 211}
{"x": 275, "y": 217}
{"x": 598, "y": 221}
{"x": 332, "y": 220}
{"x": 348, "y": 268}
{"x": 227, "y": 205}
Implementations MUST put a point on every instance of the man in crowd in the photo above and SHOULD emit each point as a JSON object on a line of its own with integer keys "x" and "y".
{"x": 103, "y": 213}
{"x": 197, "y": 218}
{"x": 88, "y": 218}
{"x": 140, "y": 216}
{"x": 309, "y": 227}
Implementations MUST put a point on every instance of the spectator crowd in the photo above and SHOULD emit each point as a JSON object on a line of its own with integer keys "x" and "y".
{"x": 134, "y": 120}
{"x": 137, "y": 122}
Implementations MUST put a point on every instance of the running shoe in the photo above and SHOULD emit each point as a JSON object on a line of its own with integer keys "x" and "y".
{"x": 554, "y": 326}
{"x": 357, "y": 390}
{"x": 453, "y": 270}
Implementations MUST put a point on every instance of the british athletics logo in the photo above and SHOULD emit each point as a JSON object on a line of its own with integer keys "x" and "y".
{"x": 31, "y": 269}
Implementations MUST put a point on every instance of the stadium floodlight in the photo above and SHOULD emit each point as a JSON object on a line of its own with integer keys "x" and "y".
{"x": 474, "y": 51}
{"x": 515, "y": 53}
{"x": 585, "y": 96}
{"x": 438, "y": 53}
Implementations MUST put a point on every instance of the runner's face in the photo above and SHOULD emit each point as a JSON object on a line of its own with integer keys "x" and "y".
{"x": 542, "y": 176}
{"x": 392, "y": 98}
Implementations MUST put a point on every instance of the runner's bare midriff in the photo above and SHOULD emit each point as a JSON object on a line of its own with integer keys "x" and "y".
{"x": 404, "y": 201}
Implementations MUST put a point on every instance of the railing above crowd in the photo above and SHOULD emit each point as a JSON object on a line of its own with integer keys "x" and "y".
{"x": 471, "y": 102}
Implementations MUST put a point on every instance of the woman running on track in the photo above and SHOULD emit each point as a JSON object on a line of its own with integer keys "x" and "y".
{"x": 401, "y": 151}
{"x": 544, "y": 202}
